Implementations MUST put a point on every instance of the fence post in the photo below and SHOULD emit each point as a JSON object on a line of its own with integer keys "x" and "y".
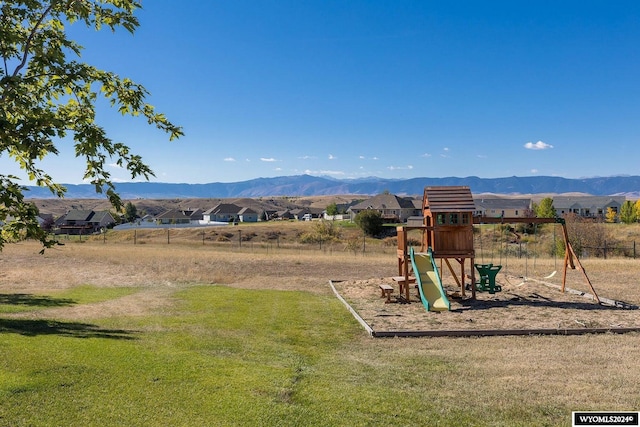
{"x": 605, "y": 249}
{"x": 168, "y": 241}
{"x": 135, "y": 235}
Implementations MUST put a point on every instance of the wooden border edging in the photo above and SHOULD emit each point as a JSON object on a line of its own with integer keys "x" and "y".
{"x": 499, "y": 332}
{"x": 355, "y": 314}
{"x": 474, "y": 332}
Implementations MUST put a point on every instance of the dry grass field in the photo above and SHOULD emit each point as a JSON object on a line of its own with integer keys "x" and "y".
{"x": 587, "y": 372}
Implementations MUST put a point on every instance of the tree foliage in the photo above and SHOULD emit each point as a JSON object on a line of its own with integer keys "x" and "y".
{"x": 130, "y": 212}
{"x": 47, "y": 95}
{"x": 545, "y": 208}
{"x": 332, "y": 209}
{"x": 370, "y": 221}
{"x": 321, "y": 231}
{"x": 628, "y": 213}
{"x": 611, "y": 216}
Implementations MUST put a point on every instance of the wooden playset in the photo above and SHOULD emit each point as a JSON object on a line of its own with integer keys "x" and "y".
{"x": 447, "y": 234}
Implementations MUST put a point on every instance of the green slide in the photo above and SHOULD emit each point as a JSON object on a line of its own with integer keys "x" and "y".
{"x": 428, "y": 280}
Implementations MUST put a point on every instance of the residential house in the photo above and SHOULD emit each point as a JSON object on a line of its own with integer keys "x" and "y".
{"x": 222, "y": 212}
{"x": 173, "y": 216}
{"x": 195, "y": 215}
{"x": 587, "y": 206}
{"x": 300, "y": 213}
{"x": 78, "y": 221}
{"x": 284, "y": 215}
{"x": 503, "y": 207}
{"x": 269, "y": 214}
{"x": 247, "y": 215}
{"x": 391, "y": 207}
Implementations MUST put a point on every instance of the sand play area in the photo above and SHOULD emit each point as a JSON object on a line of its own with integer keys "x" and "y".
{"x": 530, "y": 304}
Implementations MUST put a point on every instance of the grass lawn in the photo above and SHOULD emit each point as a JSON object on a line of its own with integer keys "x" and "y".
{"x": 224, "y": 356}
{"x": 250, "y": 354}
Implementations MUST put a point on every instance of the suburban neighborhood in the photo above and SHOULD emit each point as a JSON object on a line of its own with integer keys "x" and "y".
{"x": 393, "y": 209}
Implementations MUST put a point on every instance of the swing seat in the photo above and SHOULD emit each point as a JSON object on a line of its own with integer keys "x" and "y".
{"x": 487, "y": 282}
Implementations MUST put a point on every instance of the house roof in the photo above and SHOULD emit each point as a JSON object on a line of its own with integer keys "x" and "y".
{"x": 246, "y": 211}
{"x": 569, "y": 202}
{"x": 101, "y": 215}
{"x": 192, "y": 212}
{"x": 448, "y": 199}
{"x": 385, "y": 201}
{"x": 223, "y": 209}
{"x": 502, "y": 203}
{"x": 172, "y": 214}
{"x": 78, "y": 215}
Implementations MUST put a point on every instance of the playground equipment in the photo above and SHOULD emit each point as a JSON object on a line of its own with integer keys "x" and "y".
{"x": 488, "y": 273}
{"x": 428, "y": 280}
{"x": 447, "y": 231}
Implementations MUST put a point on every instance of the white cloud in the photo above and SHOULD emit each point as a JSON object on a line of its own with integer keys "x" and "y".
{"x": 229, "y": 159}
{"x": 374, "y": 158}
{"x": 278, "y": 169}
{"x": 445, "y": 149}
{"x": 534, "y": 171}
{"x": 324, "y": 172}
{"x": 332, "y": 157}
{"x": 115, "y": 166}
{"x": 482, "y": 156}
{"x": 361, "y": 157}
{"x": 426, "y": 155}
{"x": 306, "y": 157}
{"x": 537, "y": 146}
{"x": 267, "y": 159}
{"x": 400, "y": 168}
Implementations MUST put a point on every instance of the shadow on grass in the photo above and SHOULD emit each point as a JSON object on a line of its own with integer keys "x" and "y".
{"x": 35, "y": 300}
{"x": 30, "y": 327}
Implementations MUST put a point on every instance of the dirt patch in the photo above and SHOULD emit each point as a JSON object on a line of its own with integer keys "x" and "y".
{"x": 520, "y": 305}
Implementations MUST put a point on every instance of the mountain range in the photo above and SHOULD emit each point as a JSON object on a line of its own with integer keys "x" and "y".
{"x": 307, "y": 185}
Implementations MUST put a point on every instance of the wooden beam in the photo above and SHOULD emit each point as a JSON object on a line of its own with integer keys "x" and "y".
{"x": 515, "y": 219}
{"x": 584, "y": 273}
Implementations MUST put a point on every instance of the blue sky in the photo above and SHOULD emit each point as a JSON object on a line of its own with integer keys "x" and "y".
{"x": 394, "y": 89}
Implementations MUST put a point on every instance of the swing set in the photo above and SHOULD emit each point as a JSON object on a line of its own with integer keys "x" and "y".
{"x": 571, "y": 260}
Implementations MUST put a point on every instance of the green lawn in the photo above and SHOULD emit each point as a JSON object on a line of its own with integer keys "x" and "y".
{"x": 228, "y": 357}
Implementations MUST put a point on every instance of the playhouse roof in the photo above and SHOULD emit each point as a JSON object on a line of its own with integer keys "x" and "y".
{"x": 448, "y": 199}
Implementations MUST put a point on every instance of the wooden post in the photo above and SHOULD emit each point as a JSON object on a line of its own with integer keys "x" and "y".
{"x": 565, "y": 234}
{"x": 584, "y": 273}
{"x": 564, "y": 270}
{"x": 473, "y": 278}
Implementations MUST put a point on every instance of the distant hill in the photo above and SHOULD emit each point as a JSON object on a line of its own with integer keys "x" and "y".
{"x": 306, "y": 185}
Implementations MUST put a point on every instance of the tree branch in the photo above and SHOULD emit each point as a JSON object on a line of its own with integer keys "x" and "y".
{"x": 29, "y": 39}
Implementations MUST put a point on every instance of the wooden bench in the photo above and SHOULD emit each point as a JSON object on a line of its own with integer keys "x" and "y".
{"x": 402, "y": 283}
{"x": 385, "y": 291}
